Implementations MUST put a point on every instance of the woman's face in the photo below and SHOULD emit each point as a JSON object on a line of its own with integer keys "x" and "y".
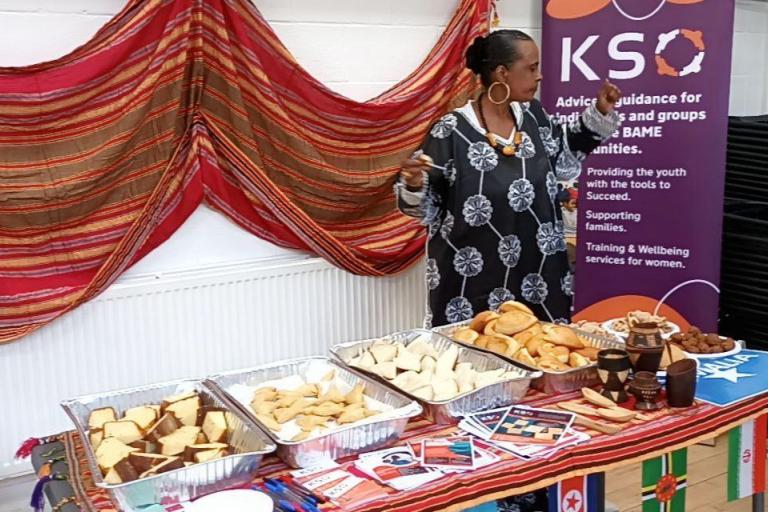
{"x": 522, "y": 76}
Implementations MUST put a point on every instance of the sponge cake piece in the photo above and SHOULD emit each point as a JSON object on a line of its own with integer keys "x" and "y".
{"x": 185, "y": 410}
{"x": 144, "y": 416}
{"x": 166, "y": 425}
{"x": 176, "y": 443}
{"x": 169, "y": 464}
{"x": 125, "y": 430}
{"x": 99, "y": 417}
{"x": 111, "y": 451}
{"x": 215, "y": 426}
{"x": 145, "y": 461}
{"x": 209, "y": 455}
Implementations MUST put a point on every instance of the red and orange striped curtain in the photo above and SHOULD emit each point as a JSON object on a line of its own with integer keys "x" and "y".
{"x": 105, "y": 152}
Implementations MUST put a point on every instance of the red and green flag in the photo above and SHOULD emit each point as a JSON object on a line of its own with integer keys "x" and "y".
{"x": 746, "y": 459}
{"x": 664, "y": 482}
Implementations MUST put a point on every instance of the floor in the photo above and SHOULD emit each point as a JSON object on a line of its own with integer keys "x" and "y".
{"x": 706, "y": 491}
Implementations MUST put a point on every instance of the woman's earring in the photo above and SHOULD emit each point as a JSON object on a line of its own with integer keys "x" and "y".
{"x": 506, "y": 97}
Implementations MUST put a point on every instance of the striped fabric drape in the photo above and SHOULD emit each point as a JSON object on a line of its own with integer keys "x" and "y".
{"x": 105, "y": 152}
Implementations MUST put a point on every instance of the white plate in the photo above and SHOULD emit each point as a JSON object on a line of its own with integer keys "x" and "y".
{"x": 608, "y": 326}
{"x": 236, "y": 500}
{"x": 734, "y": 350}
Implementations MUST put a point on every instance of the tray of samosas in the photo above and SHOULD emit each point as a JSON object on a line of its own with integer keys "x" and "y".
{"x": 315, "y": 409}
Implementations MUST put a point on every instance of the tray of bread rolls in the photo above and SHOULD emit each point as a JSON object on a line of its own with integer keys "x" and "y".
{"x": 566, "y": 357}
{"x": 166, "y": 442}
{"x": 450, "y": 381}
{"x": 315, "y": 409}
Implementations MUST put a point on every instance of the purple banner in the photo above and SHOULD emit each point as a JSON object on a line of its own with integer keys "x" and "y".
{"x": 650, "y": 200}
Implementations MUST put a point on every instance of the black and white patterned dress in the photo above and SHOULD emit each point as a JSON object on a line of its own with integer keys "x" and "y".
{"x": 495, "y": 227}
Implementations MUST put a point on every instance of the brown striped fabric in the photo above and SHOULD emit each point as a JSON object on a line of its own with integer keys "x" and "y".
{"x": 105, "y": 152}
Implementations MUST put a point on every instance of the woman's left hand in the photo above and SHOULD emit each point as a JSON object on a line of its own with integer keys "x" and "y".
{"x": 607, "y": 97}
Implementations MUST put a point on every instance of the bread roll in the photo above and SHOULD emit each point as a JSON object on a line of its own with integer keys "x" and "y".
{"x": 525, "y": 357}
{"x": 482, "y": 341}
{"x": 552, "y": 364}
{"x": 561, "y": 353}
{"x": 466, "y": 335}
{"x": 560, "y": 335}
{"x": 534, "y": 344}
{"x": 513, "y": 322}
{"x": 577, "y": 360}
{"x": 481, "y": 319}
{"x": 512, "y": 305}
{"x": 589, "y": 352}
{"x": 490, "y": 328}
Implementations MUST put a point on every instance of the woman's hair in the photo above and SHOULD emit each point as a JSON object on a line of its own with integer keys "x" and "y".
{"x": 497, "y": 48}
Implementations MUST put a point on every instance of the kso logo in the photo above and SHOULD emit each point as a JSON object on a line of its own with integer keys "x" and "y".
{"x": 576, "y": 58}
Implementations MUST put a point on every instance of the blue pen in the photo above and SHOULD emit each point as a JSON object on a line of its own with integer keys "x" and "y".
{"x": 280, "y": 504}
{"x": 281, "y": 489}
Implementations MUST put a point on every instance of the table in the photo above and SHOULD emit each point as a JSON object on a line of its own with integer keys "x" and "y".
{"x": 639, "y": 442}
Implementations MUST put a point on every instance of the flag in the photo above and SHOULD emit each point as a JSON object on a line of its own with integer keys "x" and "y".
{"x": 664, "y": 482}
{"x": 578, "y": 494}
{"x": 746, "y": 459}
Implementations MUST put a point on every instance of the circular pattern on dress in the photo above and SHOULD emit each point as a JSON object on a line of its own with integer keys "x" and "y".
{"x": 477, "y": 210}
{"x": 551, "y": 146}
{"x": 552, "y": 186}
{"x": 520, "y": 195}
{"x": 499, "y": 296}
{"x": 526, "y": 149}
{"x": 482, "y": 156}
{"x": 566, "y": 284}
{"x": 447, "y": 227}
{"x": 509, "y": 250}
{"x": 534, "y": 289}
{"x": 449, "y": 172}
{"x": 431, "y": 208}
{"x": 468, "y": 261}
{"x": 560, "y": 230}
{"x": 548, "y": 239}
{"x": 444, "y": 126}
{"x": 458, "y": 309}
{"x": 433, "y": 274}
{"x": 568, "y": 167}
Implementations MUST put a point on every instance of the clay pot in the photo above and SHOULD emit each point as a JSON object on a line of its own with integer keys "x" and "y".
{"x": 646, "y": 389}
{"x": 645, "y": 347}
{"x": 681, "y": 383}
{"x": 613, "y": 369}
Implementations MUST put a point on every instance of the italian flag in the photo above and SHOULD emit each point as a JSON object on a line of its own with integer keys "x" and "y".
{"x": 746, "y": 459}
{"x": 664, "y": 482}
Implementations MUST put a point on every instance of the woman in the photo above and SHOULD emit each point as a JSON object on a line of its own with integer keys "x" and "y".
{"x": 485, "y": 183}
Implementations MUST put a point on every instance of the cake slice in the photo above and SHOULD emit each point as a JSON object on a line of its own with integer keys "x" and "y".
{"x": 111, "y": 451}
{"x": 143, "y": 416}
{"x": 176, "y": 443}
{"x": 185, "y": 410}
{"x": 169, "y": 464}
{"x": 144, "y": 446}
{"x": 215, "y": 426}
{"x": 166, "y": 425}
{"x": 125, "y": 471}
{"x": 99, "y": 417}
{"x": 209, "y": 455}
{"x": 95, "y": 436}
{"x": 168, "y": 401}
{"x": 191, "y": 451}
{"x": 125, "y": 430}
{"x": 112, "y": 477}
{"x": 145, "y": 461}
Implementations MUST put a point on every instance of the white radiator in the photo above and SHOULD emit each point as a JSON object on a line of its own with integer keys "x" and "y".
{"x": 192, "y": 324}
